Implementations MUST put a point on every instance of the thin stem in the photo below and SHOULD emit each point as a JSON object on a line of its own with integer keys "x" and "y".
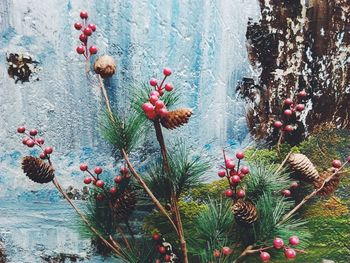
{"x": 243, "y": 254}
{"x": 147, "y": 190}
{"x": 312, "y": 194}
{"x": 283, "y": 163}
{"x": 279, "y": 142}
{"x": 105, "y": 95}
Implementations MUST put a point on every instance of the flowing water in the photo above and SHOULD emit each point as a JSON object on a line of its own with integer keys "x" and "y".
{"x": 203, "y": 41}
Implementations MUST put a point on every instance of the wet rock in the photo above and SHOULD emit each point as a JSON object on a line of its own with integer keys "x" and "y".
{"x": 76, "y": 194}
{"x": 63, "y": 257}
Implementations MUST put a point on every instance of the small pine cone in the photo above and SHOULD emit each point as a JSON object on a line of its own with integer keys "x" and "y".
{"x": 304, "y": 167}
{"x": 105, "y": 66}
{"x": 245, "y": 212}
{"x": 329, "y": 187}
{"x": 124, "y": 205}
{"x": 176, "y": 118}
{"x": 37, "y": 170}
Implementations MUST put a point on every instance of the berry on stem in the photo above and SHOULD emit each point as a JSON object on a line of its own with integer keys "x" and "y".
{"x": 33, "y": 132}
{"x": 240, "y": 155}
{"x": 25, "y": 140}
{"x": 124, "y": 169}
{"x": 100, "y": 197}
{"x": 167, "y": 258}
{"x": 43, "y": 155}
{"x": 278, "y": 124}
{"x": 147, "y": 107}
{"x": 153, "y": 99}
{"x": 240, "y": 193}
{"x": 83, "y": 38}
{"x": 48, "y": 150}
{"x": 288, "y": 128}
{"x": 288, "y": 102}
{"x": 87, "y": 180}
{"x": 230, "y": 164}
{"x": 93, "y": 50}
{"x": 98, "y": 170}
{"x": 336, "y": 164}
{"x": 80, "y": 50}
{"x": 78, "y": 26}
{"x": 83, "y": 167}
{"x": 159, "y": 104}
{"x": 278, "y": 243}
{"x": 290, "y": 253}
{"x": 30, "y": 143}
{"x": 302, "y": 94}
{"x": 162, "y": 250}
{"x": 151, "y": 115}
{"x": 300, "y": 107}
{"x": 93, "y": 27}
{"x": 40, "y": 141}
{"x": 162, "y": 112}
{"x": 226, "y": 251}
{"x": 235, "y": 179}
{"x": 265, "y": 257}
{"x": 222, "y": 173}
{"x": 294, "y": 185}
{"x": 286, "y": 193}
{"x": 113, "y": 190}
{"x": 84, "y": 15}
{"x": 156, "y": 236}
{"x": 216, "y": 253}
{"x": 100, "y": 183}
{"x": 118, "y": 179}
{"x": 21, "y": 129}
{"x": 228, "y": 193}
{"x": 153, "y": 82}
{"x": 87, "y": 31}
{"x": 294, "y": 240}
{"x": 288, "y": 112}
{"x": 154, "y": 93}
{"x": 168, "y": 87}
{"x": 245, "y": 170}
{"x": 167, "y": 71}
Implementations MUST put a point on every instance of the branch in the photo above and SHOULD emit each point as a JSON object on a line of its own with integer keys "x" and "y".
{"x": 283, "y": 163}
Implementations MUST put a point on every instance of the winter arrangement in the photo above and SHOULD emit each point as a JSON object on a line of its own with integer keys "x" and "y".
{"x": 252, "y": 213}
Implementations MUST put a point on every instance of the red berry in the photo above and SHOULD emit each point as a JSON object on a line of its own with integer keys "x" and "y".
{"x": 84, "y": 15}
{"x": 265, "y": 257}
{"x": 93, "y": 50}
{"x": 162, "y": 112}
{"x": 302, "y": 94}
{"x": 100, "y": 197}
{"x": 153, "y": 82}
{"x": 167, "y": 71}
{"x": 153, "y": 99}
{"x": 87, "y": 180}
{"x": 240, "y": 155}
{"x": 48, "y": 150}
{"x": 93, "y": 27}
{"x": 127, "y": 176}
{"x": 87, "y": 31}
{"x": 168, "y": 87}
{"x": 336, "y": 164}
{"x": 222, "y": 173}
{"x": 83, "y": 167}
{"x": 118, "y": 179}
{"x": 288, "y": 128}
{"x": 228, "y": 193}
{"x": 294, "y": 240}
{"x": 98, "y": 170}
{"x": 286, "y": 193}
{"x": 245, "y": 170}
{"x": 240, "y": 193}
{"x": 300, "y": 107}
{"x": 151, "y": 115}
{"x": 159, "y": 104}
{"x": 21, "y": 129}
{"x": 294, "y": 185}
{"x": 83, "y": 38}
{"x": 235, "y": 179}
{"x": 42, "y": 155}
{"x": 25, "y": 140}
{"x": 100, "y": 183}
{"x": 277, "y": 124}
{"x": 161, "y": 92}
{"x": 40, "y": 141}
{"x": 216, "y": 253}
{"x": 156, "y": 236}
{"x": 147, "y": 107}
{"x": 278, "y": 243}
{"x": 288, "y": 102}
{"x": 290, "y": 253}
{"x": 123, "y": 169}
{"x": 30, "y": 143}
{"x": 288, "y": 112}
{"x": 226, "y": 251}
{"x": 78, "y": 26}
{"x": 230, "y": 164}
{"x": 233, "y": 172}
{"x": 162, "y": 250}
{"x": 33, "y": 132}
{"x": 241, "y": 175}
{"x": 80, "y": 50}
{"x": 167, "y": 258}
{"x": 154, "y": 93}
{"x": 113, "y": 190}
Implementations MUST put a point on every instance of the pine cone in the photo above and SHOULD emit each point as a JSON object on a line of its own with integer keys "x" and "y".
{"x": 105, "y": 66}
{"x": 304, "y": 167}
{"x": 124, "y": 205}
{"x": 176, "y": 118}
{"x": 329, "y": 187}
{"x": 245, "y": 212}
{"x": 37, "y": 170}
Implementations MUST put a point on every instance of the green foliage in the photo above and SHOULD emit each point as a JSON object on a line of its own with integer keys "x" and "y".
{"x": 141, "y": 250}
{"x": 204, "y": 192}
{"x": 186, "y": 168}
{"x": 124, "y": 133}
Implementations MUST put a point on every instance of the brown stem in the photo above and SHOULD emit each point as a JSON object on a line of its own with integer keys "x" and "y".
{"x": 147, "y": 190}
{"x": 87, "y": 66}
{"x": 174, "y": 199}
{"x": 312, "y": 194}
{"x": 283, "y": 163}
{"x": 279, "y": 142}
{"x": 86, "y": 221}
{"x": 105, "y": 95}
{"x": 244, "y": 254}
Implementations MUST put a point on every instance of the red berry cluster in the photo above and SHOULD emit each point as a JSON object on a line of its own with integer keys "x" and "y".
{"x": 234, "y": 175}
{"x": 163, "y": 248}
{"x": 86, "y": 31}
{"x": 94, "y": 178}
{"x": 31, "y": 140}
{"x": 288, "y": 192}
{"x": 278, "y": 243}
{"x": 225, "y": 251}
{"x": 290, "y": 109}
{"x": 156, "y": 107}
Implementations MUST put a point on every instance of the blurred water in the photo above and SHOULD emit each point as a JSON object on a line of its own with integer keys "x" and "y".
{"x": 203, "y": 41}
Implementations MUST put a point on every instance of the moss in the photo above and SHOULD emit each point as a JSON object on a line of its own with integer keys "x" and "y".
{"x": 212, "y": 190}
{"x": 333, "y": 207}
